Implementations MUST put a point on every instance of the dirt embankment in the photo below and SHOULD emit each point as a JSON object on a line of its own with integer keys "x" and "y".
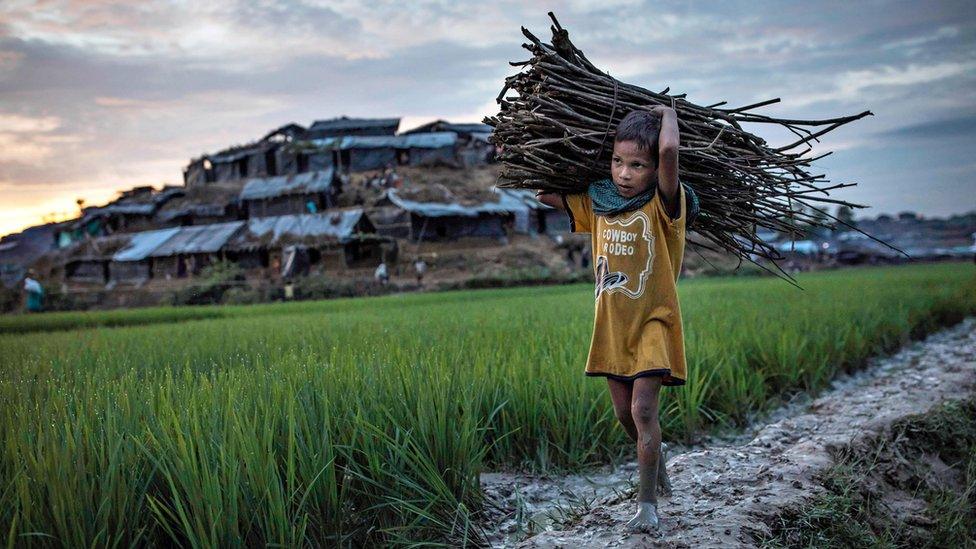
{"x": 735, "y": 494}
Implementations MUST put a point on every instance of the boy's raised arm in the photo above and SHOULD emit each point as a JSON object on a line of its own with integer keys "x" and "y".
{"x": 667, "y": 167}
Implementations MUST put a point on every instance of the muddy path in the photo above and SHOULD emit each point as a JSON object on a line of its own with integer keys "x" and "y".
{"x": 726, "y": 492}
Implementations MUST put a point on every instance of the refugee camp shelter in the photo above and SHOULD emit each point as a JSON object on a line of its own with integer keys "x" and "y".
{"x": 134, "y": 210}
{"x": 88, "y": 262}
{"x": 391, "y": 221}
{"x": 855, "y": 248}
{"x": 19, "y": 251}
{"x": 453, "y": 220}
{"x": 175, "y": 252}
{"x": 202, "y": 205}
{"x": 357, "y": 153}
{"x": 89, "y": 269}
{"x": 342, "y": 126}
{"x": 309, "y": 192}
{"x": 191, "y": 249}
{"x": 198, "y": 172}
{"x": 473, "y": 147}
{"x": 91, "y": 224}
{"x": 132, "y": 263}
{"x": 197, "y": 214}
{"x": 263, "y": 158}
{"x": 292, "y": 159}
{"x": 287, "y": 133}
{"x": 254, "y": 160}
{"x": 337, "y": 239}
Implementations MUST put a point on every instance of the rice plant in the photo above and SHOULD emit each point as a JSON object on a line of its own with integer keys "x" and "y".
{"x": 368, "y": 421}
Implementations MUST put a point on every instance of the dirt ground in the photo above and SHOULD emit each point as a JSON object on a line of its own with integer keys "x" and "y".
{"x": 726, "y": 493}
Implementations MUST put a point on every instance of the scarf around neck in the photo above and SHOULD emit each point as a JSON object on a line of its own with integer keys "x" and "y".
{"x": 607, "y": 201}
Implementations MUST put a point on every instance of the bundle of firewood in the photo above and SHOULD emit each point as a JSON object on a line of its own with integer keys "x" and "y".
{"x": 556, "y": 133}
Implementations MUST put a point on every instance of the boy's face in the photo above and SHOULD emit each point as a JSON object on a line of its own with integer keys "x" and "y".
{"x": 633, "y": 170}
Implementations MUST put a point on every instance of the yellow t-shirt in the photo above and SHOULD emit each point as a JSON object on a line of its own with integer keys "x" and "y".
{"x": 636, "y": 259}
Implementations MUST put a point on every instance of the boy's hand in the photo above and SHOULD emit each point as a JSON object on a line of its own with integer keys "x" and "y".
{"x": 662, "y": 110}
{"x": 554, "y": 200}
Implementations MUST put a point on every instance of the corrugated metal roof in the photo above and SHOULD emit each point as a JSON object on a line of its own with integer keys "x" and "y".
{"x": 339, "y": 225}
{"x": 434, "y": 140}
{"x": 506, "y": 204}
{"x": 300, "y": 183}
{"x": 345, "y": 123}
{"x": 144, "y": 243}
{"x": 198, "y": 239}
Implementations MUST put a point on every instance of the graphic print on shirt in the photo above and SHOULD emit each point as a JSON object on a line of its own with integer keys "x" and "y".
{"x": 625, "y": 256}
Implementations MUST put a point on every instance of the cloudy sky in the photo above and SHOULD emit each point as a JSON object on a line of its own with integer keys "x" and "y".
{"x": 98, "y": 96}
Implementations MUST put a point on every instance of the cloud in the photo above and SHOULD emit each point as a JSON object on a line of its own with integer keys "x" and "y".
{"x": 100, "y": 94}
{"x": 961, "y": 126}
{"x": 16, "y": 123}
{"x": 921, "y": 40}
{"x": 855, "y": 84}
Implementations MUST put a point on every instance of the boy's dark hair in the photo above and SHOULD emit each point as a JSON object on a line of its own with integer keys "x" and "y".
{"x": 643, "y": 128}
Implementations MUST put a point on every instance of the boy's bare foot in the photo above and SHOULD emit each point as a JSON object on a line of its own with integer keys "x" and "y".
{"x": 646, "y": 518}
{"x": 663, "y": 482}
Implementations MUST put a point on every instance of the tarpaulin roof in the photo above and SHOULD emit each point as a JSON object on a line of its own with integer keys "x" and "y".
{"x": 339, "y": 225}
{"x": 300, "y": 183}
{"x": 434, "y": 140}
{"x": 345, "y": 123}
{"x": 143, "y": 243}
{"x": 198, "y": 239}
{"x": 507, "y": 203}
{"x": 445, "y": 126}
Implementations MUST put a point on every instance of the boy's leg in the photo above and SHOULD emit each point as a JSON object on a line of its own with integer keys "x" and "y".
{"x": 644, "y": 408}
{"x": 621, "y": 394}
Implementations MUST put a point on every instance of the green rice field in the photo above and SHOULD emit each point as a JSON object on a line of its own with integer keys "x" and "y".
{"x": 362, "y": 422}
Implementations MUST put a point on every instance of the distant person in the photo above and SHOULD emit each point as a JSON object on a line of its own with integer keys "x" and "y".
{"x": 35, "y": 294}
{"x": 420, "y": 266}
{"x": 311, "y": 207}
{"x": 381, "y": 274}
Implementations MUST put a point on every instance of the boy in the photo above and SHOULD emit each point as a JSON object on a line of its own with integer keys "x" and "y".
{"x": 637, "y": 222}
